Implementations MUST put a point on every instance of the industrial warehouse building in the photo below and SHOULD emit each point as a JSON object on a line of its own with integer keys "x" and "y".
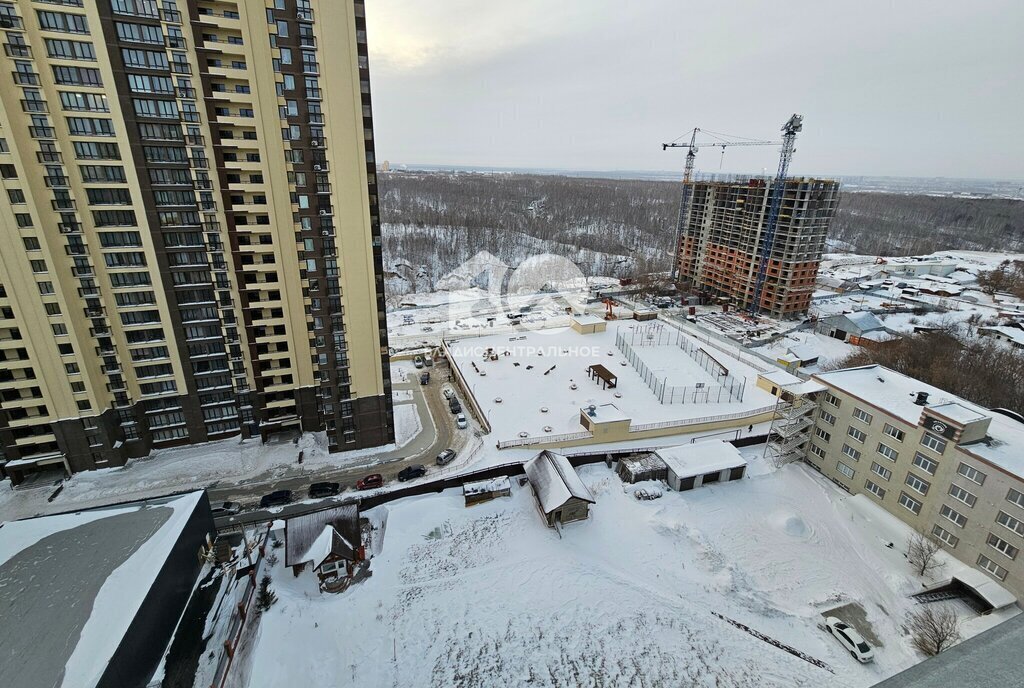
{"x": 92, "y": 598}
{"x": 945, "y": 466}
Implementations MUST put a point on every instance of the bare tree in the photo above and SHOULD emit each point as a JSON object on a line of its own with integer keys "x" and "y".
{"x": 934, "y": 629}
{"x": 921, "y": 551}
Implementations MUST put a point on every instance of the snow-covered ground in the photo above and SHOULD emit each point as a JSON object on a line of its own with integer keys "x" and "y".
{"x": 489, "y": 596}
{"x": 829, "y": 349}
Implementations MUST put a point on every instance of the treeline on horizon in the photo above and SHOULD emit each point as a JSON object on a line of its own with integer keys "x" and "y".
{"x": 625, "y": 226}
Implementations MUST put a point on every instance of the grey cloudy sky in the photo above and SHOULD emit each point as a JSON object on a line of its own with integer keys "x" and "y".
{"x": 894, "y": 87}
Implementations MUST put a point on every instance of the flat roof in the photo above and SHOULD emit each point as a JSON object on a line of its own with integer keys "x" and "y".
{"x": 958, "y": 412}
{"x": 604, "y": 413}
{"x": 706, "y": 456}
{"x": 991, "y": 658}
{"x": 499, "y": 484}
{"x": 587, "y": 319}
{"x": 71, "y": 584}
{"x": 895, "y": 393}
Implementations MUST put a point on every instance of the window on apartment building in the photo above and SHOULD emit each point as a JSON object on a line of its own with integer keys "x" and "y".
{"x": 972, "y": 474}
{"x": 817, "y": 451}
{"x": 874, "y": 489}
{"x": 925, "y": 464}
{"x": 1015, "y": 497}
{"x": 887, "y": 451}
{"x": 953, "y": 516}
{"x": 844, "y": 469}
{"x": 71, "y": 368}
{"x": 992, "y": 567}
{"x": 881, "y": 471}
{"x": 894, "y": 432}
{"x": 857, "y": 434}
{"x": 827, "y": 417}
{"x": 917, "y": 484}
{"x": 934, "y": 443}
{"x": 1009, "y": 522}
{"x": 90, "y": 150}
{"x": 139, "y": 33}
{"x": 863, "y": 416}
{"x": 90, "y": 126}
{"x": 59, "y": 329}
{"x": 832, "y": 399}
{"x": 69, "y": 50}
{"x": 62, "y": 21}
{"x": 16, "y": 196}
{"x": 957, "y": 492}
{"x": 943, "y": 535}
{"x": 851, "y": 452}
{"x": 1002, "y": 546}
{"x": 822, "y": 434}
{"x": 52, "y": 308}
{"x": 909, "y": 503}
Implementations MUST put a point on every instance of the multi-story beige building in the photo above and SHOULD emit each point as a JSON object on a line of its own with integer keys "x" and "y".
{"x": 191, "y": 241}
{"x": 945, "y": 466}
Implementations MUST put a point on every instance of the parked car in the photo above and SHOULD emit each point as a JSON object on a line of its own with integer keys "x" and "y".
{"x": 225, "y": 509}
{"x": 370, "y": 482}
{"x": 849, "y": 638}
{"x": 448, "y": 393}
{"x": 428, "y": 361}
{"x": 425, "y": 379}
{"x": 445, "y": 457}
{"x": 410, "y": 472}
{"x": 318, "y": 490}
{"x": 455, "y": 406}
{"x": 276, "y": 498}
{"x": 460, "y": 421}
{"x": 418, "y": 361}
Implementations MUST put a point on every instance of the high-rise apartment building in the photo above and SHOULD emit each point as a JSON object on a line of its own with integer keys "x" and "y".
{"x": 190, "y": 238}
{"x": 719, "y": 252}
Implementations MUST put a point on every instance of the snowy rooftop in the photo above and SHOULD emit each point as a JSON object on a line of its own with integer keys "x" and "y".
{"x": 541, "y": 379}
{"x": 895, "y": 392}
{"x": 957, "y": 412}
{"x": 499, "y": 484}
{"x": 604, "y": 413}
{"x": 555, "y": 481}
{"x": 71, "y": 584}
{"x": 687, "y": 460}
{"x": 303, "y": 532}
{"x": 587, "y": 319}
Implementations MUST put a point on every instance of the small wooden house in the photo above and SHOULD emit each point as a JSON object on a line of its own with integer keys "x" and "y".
{"x": 330, "y": 541}
{"x": 561, "y": 495}
{"x": 486, "y": 490}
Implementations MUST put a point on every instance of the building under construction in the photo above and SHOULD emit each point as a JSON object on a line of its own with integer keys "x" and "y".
{"x": 720, "y": 245}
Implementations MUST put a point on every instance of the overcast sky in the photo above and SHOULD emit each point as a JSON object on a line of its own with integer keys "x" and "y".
{"x": 893, "y": 87}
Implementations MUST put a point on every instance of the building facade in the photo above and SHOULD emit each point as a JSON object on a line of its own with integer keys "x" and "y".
{"x": 945, "y": 466}
{"x": 719, "y": 250}
{"x": 191, "y": 244}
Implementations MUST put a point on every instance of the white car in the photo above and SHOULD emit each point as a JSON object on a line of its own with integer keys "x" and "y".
{"x": 460, "y": 421}
{"x": 850, "y": 639}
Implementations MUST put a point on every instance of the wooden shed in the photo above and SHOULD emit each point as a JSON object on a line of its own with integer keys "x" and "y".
{"x": 561, "y": 495}
{"x": 486, "y": 490}
{"x": 640, "y": 468}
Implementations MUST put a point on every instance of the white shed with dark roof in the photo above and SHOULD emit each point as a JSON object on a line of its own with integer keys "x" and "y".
{"x": 561, "y": 495}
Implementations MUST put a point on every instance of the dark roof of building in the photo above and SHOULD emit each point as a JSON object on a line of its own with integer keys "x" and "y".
{"x": 555, "y": 481}
{"x": 300, "y": 532}
{"x": 992, "y": 658}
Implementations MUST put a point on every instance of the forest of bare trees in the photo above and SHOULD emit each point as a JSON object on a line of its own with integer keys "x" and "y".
{"x": 434, "y": 221}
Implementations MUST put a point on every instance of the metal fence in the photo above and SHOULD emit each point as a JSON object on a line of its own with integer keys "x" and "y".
{"x": 728, "y": 388}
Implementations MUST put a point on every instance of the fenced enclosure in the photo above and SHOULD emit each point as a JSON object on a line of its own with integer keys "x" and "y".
{"x": 722, "y": 387}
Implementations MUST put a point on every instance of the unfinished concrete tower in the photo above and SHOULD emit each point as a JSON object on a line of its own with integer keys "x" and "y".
{"x": 719, "y": 249}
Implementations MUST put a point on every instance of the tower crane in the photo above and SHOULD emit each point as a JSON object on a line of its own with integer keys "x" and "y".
{"x": 789, "y": 132}
{"x": 691, "y": 154}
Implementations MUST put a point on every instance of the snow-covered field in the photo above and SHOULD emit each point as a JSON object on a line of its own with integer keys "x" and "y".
{"x": 489, "y": 596}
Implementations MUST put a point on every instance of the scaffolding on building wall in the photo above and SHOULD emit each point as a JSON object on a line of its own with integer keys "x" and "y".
{"x": 790, "y": 432}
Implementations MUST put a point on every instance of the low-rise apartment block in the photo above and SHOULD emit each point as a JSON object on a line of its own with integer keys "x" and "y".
{"x": 945, "y": 466}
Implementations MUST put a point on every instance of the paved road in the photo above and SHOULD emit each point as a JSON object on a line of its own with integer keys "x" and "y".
{"x": 437, "y": 433}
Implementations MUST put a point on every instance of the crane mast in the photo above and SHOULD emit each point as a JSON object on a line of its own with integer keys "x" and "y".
{"x": 684, "y": 201}
{"x": 789, "y": 132}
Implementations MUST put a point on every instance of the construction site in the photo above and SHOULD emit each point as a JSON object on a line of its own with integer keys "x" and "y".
{"x": 753, "y": 243}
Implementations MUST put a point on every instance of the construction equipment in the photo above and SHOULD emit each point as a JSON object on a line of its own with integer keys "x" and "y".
{"x": 789, "y": 132}
{"x": 691, "y": 154}
{"x": 609, "y": 313}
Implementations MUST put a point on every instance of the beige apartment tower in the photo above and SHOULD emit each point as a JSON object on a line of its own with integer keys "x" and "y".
{"x": 190, "y": 237}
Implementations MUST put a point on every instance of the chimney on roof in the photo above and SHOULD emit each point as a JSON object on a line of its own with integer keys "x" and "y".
{"x": 922, "y": 399}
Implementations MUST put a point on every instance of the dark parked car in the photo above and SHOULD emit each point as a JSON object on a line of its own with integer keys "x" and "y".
{"x": 276, "y": 498}
{"x": 324, "y": 489}
{"x": 370, "y": 482}
{"x": 455, "y": 406}
{"x": 425, "y": 378}
{"x": 410, "y": 472}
